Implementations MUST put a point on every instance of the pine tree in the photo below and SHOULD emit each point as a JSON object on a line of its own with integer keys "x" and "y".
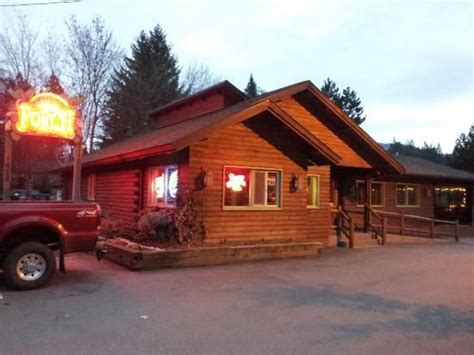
{"x": 53, "y": 85}
{"x": 332, "y": 91}
{"x": 251, "y": 88}
{"x": 351, "y": 105}
{"x": 148, "y": 79}
{"x": 348, "y": 101}
{"x": 463, "y": 153}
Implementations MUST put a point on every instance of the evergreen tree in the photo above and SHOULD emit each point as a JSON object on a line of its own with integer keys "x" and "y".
{"x": 332, "y": 91}
{"x": 148, "y": 79}
{"x": 348, "y": 101}
{"x": 428, "y": 151}
{"x": 251, "y": 88}
{"x": 463, "y": 153}
{"x": 53, "y": 85}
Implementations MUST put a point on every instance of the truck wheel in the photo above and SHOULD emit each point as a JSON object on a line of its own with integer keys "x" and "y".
{"x": 30, "y": 265}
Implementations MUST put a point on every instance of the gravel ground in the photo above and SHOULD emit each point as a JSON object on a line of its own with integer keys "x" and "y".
{"x": 413, "y": 299}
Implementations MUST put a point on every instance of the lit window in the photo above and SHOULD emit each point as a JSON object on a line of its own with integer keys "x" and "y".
{"x": 91, "y": 187}
{"x": 313, "y": 191}
{"x": 408, "y": 195}
{"x": 163, "y": 185}
{"x": 377, "y": 193}
{"x": 245, "y": 187}
{"x": 451, "y": 197}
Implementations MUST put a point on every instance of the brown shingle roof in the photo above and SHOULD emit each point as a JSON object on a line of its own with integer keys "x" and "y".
{"x": 173, "y": 138}
{"x": 421, "y": 167}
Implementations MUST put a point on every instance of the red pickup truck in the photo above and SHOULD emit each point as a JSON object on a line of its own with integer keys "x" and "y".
{"x": 30, "y": 233}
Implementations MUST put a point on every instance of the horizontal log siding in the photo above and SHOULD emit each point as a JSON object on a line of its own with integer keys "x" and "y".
{"x": 425, "y": 209}
{"x": 240, "y": 146}
{"x": 318, "y": 219}
{"x": 319, "y": 130}
{"x": 117, "y": 194}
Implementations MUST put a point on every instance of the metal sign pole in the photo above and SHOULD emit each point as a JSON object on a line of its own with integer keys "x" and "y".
{"x": 76, "y": 178}
{"x": 7, "y": 166}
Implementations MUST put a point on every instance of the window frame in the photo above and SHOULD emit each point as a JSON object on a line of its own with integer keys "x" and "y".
{"x": 252, "y": 206}
{"x": 418, "y": 196}
{"x": 318, "y": 178}
{"x": 91, "y": 187}
{"x": 382, "y": 183}
{"x": 164, "y": 170}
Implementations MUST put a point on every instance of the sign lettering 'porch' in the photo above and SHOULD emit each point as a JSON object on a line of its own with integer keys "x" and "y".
{"x": 47, "y": 115}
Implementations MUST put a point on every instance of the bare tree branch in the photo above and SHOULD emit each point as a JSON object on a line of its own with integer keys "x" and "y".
{"x": 197, "y": 77}
{"x": 92, "y": 55}
{"x": 18, "y": 47}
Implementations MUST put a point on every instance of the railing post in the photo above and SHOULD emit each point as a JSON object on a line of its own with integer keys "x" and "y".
{"x": 402, "y": 223}
{"x": 351, "y": 233}
{"x": 366, "y": 218}
{"x": 456, "y": 231}
{"x": 384, "y": 230}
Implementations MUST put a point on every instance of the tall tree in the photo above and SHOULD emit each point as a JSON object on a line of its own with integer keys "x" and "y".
{"x": 92, "y": 55}
{"x": 427, "y": 151}
{"x": 251, "y": 89}
{"x": 348, "y": 100}
{"x": 148, "y": 79}
{"x": 463, "y": 153}
{"x": 53, "y": 85}
{"x": 18, "y": 50}
{"x": 195, "y": 78}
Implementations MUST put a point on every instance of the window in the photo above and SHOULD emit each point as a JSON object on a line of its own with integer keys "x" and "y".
{"x": 377, "y": 193}
{"x": 408, "y": 195}
{"x": 451, "y": 197}
{"x": 163, "y": 186}
{"x": 91, "y": 187}
{"x": 251, "y": 188}
{"x": 313, "y": 191}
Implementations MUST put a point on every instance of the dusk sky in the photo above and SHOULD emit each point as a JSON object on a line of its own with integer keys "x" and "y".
{"x": 411, "y": 62}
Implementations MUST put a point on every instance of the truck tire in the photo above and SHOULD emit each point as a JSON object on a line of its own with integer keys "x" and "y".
{"x": 30, "y": 265}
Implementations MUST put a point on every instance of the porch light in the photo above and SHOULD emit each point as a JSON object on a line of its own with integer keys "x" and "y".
{"x": 294, "y": 183}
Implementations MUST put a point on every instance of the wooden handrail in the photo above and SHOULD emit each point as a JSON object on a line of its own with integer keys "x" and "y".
{"x": 348, "y": 231}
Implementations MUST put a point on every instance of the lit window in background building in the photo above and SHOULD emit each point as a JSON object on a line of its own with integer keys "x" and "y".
{"x": 451, "y": 197}
{"x": 408, "y": 195}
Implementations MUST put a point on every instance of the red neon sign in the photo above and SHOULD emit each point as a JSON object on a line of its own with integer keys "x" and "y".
{"x": 47, "y": 115}
{"x": 236, "y": 182}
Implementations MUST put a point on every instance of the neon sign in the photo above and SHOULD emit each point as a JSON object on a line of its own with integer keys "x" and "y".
{"x": 173, "y": 183}
{"x": 236, "y": 182}
{"x": 46, "y": 115}
{"x": 160, "y": 186}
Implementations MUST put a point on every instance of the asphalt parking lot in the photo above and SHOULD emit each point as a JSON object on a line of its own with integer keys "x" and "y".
{"x": 413, "y": 299}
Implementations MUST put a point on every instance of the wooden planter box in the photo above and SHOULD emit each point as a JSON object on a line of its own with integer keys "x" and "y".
{"x": 134, "y": 259}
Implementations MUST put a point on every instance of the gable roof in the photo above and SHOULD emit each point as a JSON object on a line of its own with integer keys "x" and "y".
{"x": 175, "y": 137}
{"x": 420, "y": 167}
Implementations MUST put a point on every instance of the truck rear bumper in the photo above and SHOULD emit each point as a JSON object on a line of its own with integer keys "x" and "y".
{"x": 100, "y": 248}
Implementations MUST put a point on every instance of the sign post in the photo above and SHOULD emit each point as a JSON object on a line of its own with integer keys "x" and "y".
{"x": 7, "y": 170}
{"x": 44, "y": 115}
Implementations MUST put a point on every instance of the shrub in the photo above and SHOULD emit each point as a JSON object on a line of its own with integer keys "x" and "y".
{"x": 113, "y": 227}
{"x": 189, "y": 220}
{"x": 155, "y": 225}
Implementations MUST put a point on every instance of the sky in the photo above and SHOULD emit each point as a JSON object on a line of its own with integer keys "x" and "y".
{"x": 410, "y": 61}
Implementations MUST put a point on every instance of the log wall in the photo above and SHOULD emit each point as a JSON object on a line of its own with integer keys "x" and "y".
{"x": 238, "y": 145}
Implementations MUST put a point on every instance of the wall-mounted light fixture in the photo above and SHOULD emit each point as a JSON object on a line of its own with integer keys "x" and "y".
{"x": 201, "y": 181}
{"x": 294, "y": 183}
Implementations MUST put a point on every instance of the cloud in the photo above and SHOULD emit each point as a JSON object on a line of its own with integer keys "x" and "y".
{"x": 440, "y": 122}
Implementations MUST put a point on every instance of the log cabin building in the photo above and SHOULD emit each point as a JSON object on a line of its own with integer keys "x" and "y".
{"x": 271, "y": 168}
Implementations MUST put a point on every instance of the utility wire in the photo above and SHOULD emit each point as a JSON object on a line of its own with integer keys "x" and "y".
{"x": 41, "y": 3}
